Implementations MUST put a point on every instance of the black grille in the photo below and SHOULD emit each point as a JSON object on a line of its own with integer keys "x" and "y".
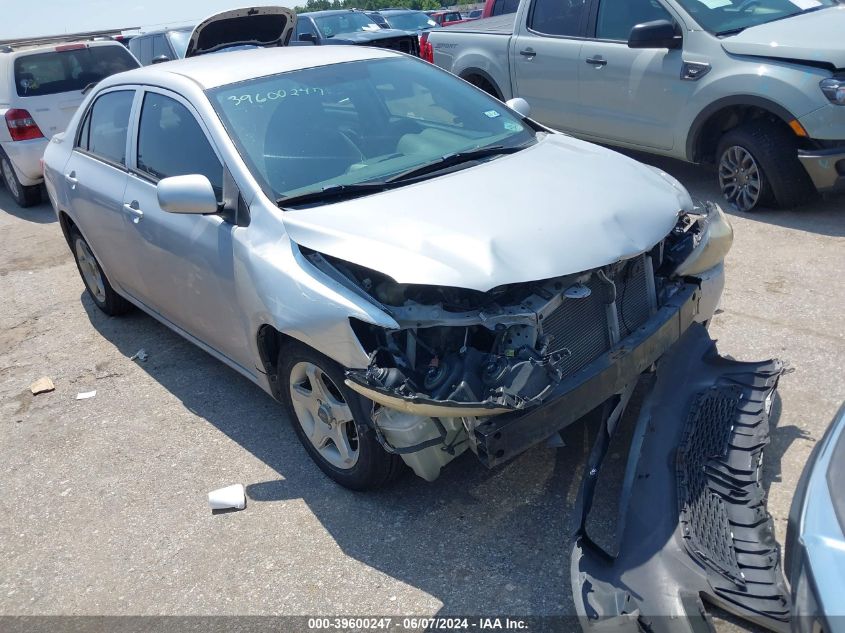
{"x": 578, "y": 329}
{"x": 633, "y": 305}
{"x": 705, "y": 444}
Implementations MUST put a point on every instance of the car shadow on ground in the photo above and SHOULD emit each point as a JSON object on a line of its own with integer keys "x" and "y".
{"x": 480, "y": 542}
{"x": 40, "y": 214}
{"x": 824, "y": 215}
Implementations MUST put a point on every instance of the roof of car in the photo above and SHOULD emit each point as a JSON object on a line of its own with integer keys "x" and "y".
{"x": 330, "y": 12}
{"x": 396, "y": 11}
{"x": 220, "y": 69}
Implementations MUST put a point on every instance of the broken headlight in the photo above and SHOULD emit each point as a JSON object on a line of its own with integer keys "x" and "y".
{"x": 706, "y": 240}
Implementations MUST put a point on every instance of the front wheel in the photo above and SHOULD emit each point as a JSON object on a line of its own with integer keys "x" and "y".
{"x": 758, "y": 165}
{"x": 25, "y": 196}
{"x": 331, "y": 421}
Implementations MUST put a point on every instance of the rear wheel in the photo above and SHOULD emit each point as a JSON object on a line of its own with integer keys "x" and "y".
{"x": 25, "y": 196}
{"x": 96, "y": 283}
{"x": 758, "y": 165}
{"x": 331, "y": 421}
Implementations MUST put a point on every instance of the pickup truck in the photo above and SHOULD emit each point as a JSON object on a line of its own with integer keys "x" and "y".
{"x": 755, "y": 87}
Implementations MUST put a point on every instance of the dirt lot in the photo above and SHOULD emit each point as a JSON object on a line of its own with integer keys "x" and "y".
{"x": 103, "y": 506}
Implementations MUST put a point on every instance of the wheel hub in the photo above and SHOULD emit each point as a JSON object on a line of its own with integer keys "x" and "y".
{"x": 740, "y": 178}
{"x": 323, "y": 415}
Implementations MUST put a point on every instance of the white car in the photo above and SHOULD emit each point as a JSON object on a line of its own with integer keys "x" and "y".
{"x": 40, "y": 89}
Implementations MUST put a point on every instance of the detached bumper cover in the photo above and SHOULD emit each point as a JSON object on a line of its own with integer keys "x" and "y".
{"x": 826, "y": 167}
{"x": 693, "y": 521}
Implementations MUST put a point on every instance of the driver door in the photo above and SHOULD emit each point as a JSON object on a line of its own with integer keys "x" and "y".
{"x": 630, "y": 95}
{"x": 186, "y": 262}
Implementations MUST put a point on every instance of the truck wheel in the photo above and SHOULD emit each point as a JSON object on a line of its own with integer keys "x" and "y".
{"x": 98, "y": 287}
{"x": 25, "y": 196}
{"x": 331, "y": 420}
{"x": 758, "y": 164}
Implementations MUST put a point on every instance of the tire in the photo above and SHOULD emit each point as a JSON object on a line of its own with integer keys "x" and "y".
{"x": 96, "y": 283}
{"x": 25, "y": 196}
{"x": 781, "y": 179}
{"x": 362, "y": 464}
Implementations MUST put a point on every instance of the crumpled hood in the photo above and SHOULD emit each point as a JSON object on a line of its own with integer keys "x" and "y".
{"x": 562, "y": 206}
{"x": 818, "y": 36}
{"x": 358, "y": 37}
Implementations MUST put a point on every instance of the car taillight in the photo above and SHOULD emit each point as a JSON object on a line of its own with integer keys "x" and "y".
{"x": 22, "y": 126}
{"x": 426, "y": 49}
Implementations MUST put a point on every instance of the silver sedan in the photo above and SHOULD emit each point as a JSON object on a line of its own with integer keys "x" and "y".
{"x": 413, "y": 268}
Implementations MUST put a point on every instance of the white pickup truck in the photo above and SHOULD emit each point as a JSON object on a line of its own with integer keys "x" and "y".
{"x": 756, "y": 87}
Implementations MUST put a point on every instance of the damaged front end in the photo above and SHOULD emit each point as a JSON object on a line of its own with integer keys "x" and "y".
{"x": 499, "y": 371}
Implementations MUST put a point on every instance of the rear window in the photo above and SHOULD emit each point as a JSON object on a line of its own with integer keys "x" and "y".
{"x": 53, "y": 72}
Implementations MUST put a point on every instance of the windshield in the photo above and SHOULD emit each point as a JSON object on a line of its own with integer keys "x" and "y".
{"x": 330, "y": 25}
{"x": 729, "y": 16}
{"x": 179, "y": 41}
{"x": 358, "y": 122}
{"x": 416, "y": 21}
{"x": 73, "y": 68}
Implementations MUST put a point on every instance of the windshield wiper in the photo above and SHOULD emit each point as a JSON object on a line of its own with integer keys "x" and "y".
{"x": 731, "y": 31}
{"x": 334, "y": 191}
{"x": 376, "y": 186}
{"x": 450, "y": 160}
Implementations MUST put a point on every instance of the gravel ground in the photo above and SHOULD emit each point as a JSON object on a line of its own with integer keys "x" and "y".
{"x": 103, "y": 507}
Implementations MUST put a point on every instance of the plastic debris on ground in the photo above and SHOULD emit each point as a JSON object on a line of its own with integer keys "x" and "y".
{"x": 228, "y": 498}
{"x": 86, "y": 394}
{"x": 140, "y": 355}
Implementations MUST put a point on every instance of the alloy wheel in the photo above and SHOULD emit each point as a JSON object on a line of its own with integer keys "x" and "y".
{"x": 90, "y": 270}
{"x": 740, "y": 178}
{"x": 324, "y": 415}
{"x": 9, "y": 178}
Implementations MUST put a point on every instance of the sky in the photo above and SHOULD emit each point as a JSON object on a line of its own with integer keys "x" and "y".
{"x": 56, "y": 17}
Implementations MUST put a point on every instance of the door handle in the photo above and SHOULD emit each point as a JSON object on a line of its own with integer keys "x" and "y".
{"x": 72, "y": 179}
{"x": 598, "y": 60}
{"x": 134, "y": 210}
{"x": 530, "y": 53}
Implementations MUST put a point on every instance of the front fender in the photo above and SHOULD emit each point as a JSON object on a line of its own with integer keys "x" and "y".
{"x": 788, "y": 91}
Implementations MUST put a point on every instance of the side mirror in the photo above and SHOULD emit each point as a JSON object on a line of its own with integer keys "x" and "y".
{"x": 656, "y": 34}
{"x": 187, "y": 194}
{"x": 520, "y": 106}
{"x": 307, "y": 37}
{"x": 160, "y": 59}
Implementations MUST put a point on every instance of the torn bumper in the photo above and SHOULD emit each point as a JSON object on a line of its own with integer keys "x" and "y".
{"x": 505, "y": 436}
{"x": 693, "y": 522}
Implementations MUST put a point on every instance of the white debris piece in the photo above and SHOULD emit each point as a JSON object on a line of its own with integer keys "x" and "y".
{"x": 227, "y": 498}
{"x": 140, "y": 355}
{"x": 85, "y": 395}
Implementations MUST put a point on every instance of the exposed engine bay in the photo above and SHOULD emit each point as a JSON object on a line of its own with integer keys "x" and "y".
{"x": 462, "y": 356}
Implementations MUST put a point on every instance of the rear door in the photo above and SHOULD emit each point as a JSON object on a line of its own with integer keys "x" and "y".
{"x": 545, "y": 55}
{"x": 96, "y": 176}
{"x": 49, "y": 83}
{"x": 186, "y": 261}
{"x": 630, "y": 95}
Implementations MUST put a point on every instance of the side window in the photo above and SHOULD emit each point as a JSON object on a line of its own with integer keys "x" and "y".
{"x": 103, "y": 131}
{"x": 171, "y": 143}
{"x": 160, "y": 47}
{"x": 617, "y": 17}
{"x": 557, "y": 17}
{"x": 146, "y": 47}
{"x": 304, "y": 26}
